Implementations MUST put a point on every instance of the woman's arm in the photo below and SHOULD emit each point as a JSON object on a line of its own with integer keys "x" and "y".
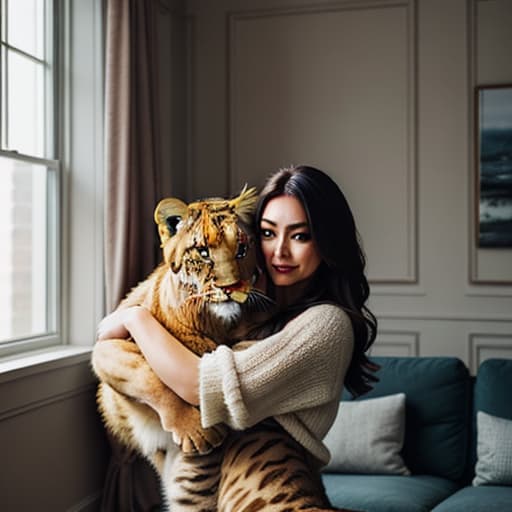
{"x": 174, "y": 364}
{"x": 301, "y": 367}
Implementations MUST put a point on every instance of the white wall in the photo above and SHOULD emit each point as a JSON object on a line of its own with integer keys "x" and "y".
{"x": 380, "y": 94}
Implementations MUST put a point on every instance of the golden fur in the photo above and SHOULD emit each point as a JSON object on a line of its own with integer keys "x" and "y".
{"x": 196, "y": 294}
{"x": 207, "y": 266}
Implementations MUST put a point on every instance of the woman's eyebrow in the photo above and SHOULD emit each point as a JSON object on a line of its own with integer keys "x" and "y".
{"x": 290, "y": 227}
{"x": 296, "y": 225}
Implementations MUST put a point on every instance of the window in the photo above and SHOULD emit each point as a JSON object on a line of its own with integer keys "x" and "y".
{"x": 29, "y": 176}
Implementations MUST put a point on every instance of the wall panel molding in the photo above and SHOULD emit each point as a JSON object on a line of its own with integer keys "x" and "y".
{"x": 37, "y": 404}
{"x": 440, "y": 317}
{"x": 397, "y": 291}
{"x": 489, "y": 291}
{"x": 489, "y": 47}
{"x": 43, "y": 388}
{"x": 482, "y": 346}
{"x": 396, "y": 343}
{"x": 251, "y": 156}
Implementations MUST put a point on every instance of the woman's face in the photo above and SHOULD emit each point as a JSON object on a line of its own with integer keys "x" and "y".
{"x": 291, "y": 255}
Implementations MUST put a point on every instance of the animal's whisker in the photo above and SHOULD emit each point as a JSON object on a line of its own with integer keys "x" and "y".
{"x": 258, "y": 301}
{"x": 202, "y": 295}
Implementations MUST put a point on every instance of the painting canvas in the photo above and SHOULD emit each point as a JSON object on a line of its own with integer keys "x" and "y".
{"x": 494, "y": 145}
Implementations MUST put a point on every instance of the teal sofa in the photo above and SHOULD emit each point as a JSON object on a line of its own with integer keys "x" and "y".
{"x": 440, "y": 440}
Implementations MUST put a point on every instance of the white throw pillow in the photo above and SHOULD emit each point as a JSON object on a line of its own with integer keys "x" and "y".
{"x": 367, "y": 437}
{"x": 494, "y": 450}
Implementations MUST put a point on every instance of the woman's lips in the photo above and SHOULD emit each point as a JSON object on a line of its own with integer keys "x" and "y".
{"x": 284, "y": 269}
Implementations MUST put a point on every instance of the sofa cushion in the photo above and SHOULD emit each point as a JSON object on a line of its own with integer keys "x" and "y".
{"x": 387, "y": 493}
{"x": 477, "y": 499}
{"x": 380, "y": 426}
{"x": 492, "y": 388}
{"x": 438, "y": 411}
{"x": 494, "y": 450}
{"x": 492, "y": 385}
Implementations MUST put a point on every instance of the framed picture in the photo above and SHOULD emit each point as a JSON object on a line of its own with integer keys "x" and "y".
{"x": 494, "y": 165}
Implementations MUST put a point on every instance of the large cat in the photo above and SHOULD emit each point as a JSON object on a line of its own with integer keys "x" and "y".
{"x": 197, "y": 293}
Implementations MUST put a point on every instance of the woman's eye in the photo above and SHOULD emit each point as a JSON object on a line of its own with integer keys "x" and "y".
{"x": 302, "y": 237}
{"x": 266, "y": 233}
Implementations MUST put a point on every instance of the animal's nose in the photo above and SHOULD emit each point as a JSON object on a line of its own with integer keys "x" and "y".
{"x": 226, "y": 274}
{"x": 237, "y": 292}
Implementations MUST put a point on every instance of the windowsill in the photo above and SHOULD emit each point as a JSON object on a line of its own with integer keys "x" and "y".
{"x": 30, "y": 363}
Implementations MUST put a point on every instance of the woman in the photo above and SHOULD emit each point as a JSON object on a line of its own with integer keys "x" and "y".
{"x": 313, "y": 345}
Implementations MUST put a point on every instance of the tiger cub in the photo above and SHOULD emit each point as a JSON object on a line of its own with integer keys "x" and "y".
{"x": 198, "y": 293}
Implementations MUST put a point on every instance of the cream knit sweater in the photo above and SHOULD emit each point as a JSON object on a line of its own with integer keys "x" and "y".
{"x": 295, "y": 375}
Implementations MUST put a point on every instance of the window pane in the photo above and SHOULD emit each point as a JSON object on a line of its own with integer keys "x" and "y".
{"x": 27, "y": 259}
{"x": 25, "y": 22}
{"x": 25, "y": 105}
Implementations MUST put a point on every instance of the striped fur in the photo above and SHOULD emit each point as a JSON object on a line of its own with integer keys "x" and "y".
{"x": 259, "y": 469}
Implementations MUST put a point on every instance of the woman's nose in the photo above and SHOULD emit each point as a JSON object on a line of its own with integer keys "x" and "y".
{"x": 282, "y": 248}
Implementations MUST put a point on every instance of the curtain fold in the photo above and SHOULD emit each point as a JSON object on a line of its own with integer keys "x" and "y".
{"x": 132, "y": 180}
{"x": 132, "y": 174}
{"x": 130, "y": 483}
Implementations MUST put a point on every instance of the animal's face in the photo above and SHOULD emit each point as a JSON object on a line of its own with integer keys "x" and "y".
{"x": 207, "y": 246}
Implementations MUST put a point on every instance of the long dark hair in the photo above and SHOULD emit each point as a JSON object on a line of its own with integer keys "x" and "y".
{"x": 340, "y": 277}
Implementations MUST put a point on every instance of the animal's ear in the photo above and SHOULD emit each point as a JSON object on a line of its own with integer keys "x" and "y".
{"x": 244, "y": 204}
{"x": 168, "y": 213}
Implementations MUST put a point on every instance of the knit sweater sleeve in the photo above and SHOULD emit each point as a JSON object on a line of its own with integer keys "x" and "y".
{"x": 300, "y": 367}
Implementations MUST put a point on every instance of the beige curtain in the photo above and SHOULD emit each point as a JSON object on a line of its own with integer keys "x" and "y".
{"x": 131, "y": 145}
{"x": 132, "y": 181}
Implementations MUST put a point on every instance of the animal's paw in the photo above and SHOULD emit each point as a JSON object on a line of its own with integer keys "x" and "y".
{"x": 200, "y": 441}
{"x": 204, "y": 440}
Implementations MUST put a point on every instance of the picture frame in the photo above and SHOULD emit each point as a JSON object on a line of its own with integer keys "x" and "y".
{"x": 493, "y": 148}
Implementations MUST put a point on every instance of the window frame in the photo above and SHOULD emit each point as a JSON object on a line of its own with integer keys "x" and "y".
{"x": 50, "y": 159}
{"x": 53, "y": 263}
{"x": 51, "y": 61}
{"x": 78, "y": 147}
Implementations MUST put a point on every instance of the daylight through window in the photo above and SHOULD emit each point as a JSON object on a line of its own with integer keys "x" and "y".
{"x": 29, "y": 175}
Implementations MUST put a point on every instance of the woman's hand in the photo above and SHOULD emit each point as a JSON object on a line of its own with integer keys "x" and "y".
{"x": 112, "y": 326}
{"x": 115, "y": 325}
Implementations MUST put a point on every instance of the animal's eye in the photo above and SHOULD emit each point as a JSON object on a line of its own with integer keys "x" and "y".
{"x": 241, "y": 251}
{"x": 172, "y": 224}
{"x": 203, "y": 252}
